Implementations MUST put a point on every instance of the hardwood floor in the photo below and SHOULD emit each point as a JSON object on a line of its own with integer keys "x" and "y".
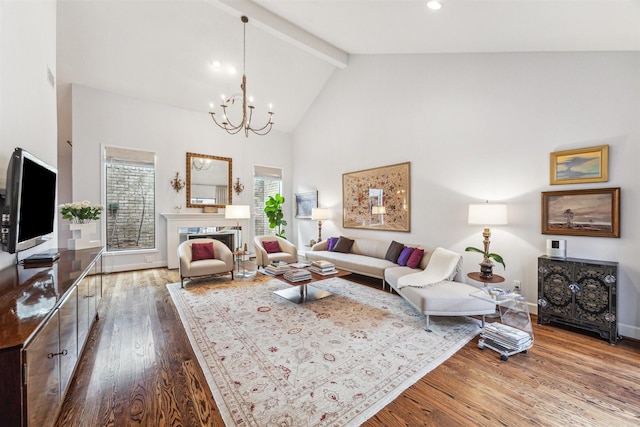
{"x": 139, "y": 369}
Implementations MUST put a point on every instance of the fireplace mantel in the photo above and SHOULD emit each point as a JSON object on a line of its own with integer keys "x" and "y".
{"x": 176, "y": 221}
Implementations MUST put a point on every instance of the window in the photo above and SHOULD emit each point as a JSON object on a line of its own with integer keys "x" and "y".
{"x": 267, "y": 181}
{"x": 130, "y": 180}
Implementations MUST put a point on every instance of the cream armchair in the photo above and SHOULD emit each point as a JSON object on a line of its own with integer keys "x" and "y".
{"x": 221, "y": 263}
{"x": 288, "y": 252}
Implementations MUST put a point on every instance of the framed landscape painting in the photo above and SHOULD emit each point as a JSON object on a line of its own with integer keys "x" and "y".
{"x": 580, "y": 166}
{"x": 377, "y": 198}
{"x": 594, "y": 212}
{"x": 305, "y": 202}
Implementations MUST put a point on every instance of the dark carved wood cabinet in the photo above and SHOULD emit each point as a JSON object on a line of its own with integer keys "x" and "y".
{"x": 46, "y": 312}
{"x": 580, "y": 293}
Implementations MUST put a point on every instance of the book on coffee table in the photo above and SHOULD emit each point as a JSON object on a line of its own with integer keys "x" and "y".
{"x": 274, "y": 270}
{"x": 323, "y": 272}
{"x": 297, "y": 275}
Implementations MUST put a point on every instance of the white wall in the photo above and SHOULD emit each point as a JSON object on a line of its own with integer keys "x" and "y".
{"x": 100, "y": 117}
{"x": 27, "y": 99}
{"x": 479, "y": 127}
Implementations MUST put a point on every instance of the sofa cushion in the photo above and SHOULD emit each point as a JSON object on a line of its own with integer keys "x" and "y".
{"x": 370, "y": 247}
{"x": 200, "y": 251}
{"x": 394, "y": 251}
{"x": 404, "y": 256}
{"x": 360, "y": 264}
{"x": 343, "y": 245}
{"x": 331, "y": 243}
{"x": 393, "y": 274}
{"x": 271, "y": 246}
{"x": 415, "y": 258}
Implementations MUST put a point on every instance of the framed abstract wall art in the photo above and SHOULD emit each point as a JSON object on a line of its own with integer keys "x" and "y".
{"x": 594, "y": 212}
{"x": 378, "y": 198}
{"x": 305, "y": 202}
{"x": 580, "y": 166}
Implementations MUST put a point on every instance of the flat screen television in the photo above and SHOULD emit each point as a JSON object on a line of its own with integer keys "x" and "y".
{"x": 29, "y": 210}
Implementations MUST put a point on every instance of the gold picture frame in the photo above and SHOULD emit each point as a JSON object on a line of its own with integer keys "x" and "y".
{"x": 593, "y": 212}
{"x": 580, "y": 166}
{"x": 378, "y": 198}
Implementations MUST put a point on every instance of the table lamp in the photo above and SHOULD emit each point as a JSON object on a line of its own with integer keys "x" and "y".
{"x": 237, "y": 212}
{"x": 487, "y": 214}
{"x": 319, "y": 214}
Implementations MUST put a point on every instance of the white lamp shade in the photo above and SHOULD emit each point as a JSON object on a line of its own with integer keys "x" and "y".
{"x": 319, "y": 214}
{"x": 487, "y": 213}
{"x": 237, "y": 212}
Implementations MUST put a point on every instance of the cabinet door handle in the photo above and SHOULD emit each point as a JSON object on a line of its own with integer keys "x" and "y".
{"x": 52, "y": 355}
{"x": 574, "y": 287}
{"x": 89, "y": 296}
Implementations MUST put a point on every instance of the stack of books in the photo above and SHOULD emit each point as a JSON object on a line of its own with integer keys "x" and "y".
{"x": 507, "y": 337}
{"x": 276, "y": 268}
{"x": 322, "y": 267}
{"x": 297, "y": 275}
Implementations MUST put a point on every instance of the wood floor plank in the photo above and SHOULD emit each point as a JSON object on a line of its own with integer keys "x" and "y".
{"x": 139, "y": 369}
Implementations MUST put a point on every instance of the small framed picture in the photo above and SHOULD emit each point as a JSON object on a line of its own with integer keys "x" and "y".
{"x": 580, "y": 166}
{"x": 305, "y": 202}
{"x": 594, "y": 212}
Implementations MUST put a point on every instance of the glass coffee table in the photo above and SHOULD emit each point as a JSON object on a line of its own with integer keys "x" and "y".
{"x": 303, "y": 291}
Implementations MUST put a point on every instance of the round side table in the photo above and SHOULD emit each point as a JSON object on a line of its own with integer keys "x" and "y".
{"x": 476, "y": 276}
{"x": 495, "y": 279}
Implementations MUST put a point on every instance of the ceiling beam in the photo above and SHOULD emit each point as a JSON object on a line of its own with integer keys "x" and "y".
{"x": 284, "y": 30}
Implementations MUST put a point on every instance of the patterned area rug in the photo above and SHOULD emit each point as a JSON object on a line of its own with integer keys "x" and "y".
{"x": 332, "y": 362}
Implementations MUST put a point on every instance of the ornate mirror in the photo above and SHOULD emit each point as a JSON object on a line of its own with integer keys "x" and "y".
{"x": 208, "y": 181}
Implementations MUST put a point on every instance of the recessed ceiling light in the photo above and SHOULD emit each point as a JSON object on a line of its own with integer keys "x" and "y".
{"x": 217, "y": 65}
{"x": 232, "y": 70}
{"x": 434, "y": 5}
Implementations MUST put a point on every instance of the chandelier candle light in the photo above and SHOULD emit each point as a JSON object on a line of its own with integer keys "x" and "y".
{"x": 225, "y": 123}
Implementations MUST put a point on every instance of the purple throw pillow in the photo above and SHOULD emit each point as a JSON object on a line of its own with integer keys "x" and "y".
{"x": 331, "y": 243}
{"x": 404, "y": 255}
{"x": 415, "y": 258}
{"x": 271, "y": 246}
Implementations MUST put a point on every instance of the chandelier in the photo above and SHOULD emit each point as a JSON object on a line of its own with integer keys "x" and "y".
{"x": 245, "y": 124}
{"x": 200, "y": 164}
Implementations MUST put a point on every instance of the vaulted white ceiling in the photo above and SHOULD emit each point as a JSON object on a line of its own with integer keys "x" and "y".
{"x": 162, "y": 51}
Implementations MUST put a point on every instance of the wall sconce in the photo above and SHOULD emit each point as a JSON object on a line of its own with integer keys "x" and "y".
{"x": 238, "y": 187}
{"x": 177, "y": 183}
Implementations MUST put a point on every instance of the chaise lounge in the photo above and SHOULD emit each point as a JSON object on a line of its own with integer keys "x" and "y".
{"x": 432, "y": 285}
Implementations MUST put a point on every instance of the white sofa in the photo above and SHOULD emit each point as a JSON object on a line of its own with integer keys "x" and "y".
{"x": 367, "y": 257}
{"x": 434, "y": 288}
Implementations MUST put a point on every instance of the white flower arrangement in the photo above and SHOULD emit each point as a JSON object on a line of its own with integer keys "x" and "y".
{"x": 81, "y": 212}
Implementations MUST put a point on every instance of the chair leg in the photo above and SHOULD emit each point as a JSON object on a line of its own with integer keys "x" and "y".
{"x": 231, "y": 274}
{"x": 181, "y": 282}
{"x": 426, "y": 327}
